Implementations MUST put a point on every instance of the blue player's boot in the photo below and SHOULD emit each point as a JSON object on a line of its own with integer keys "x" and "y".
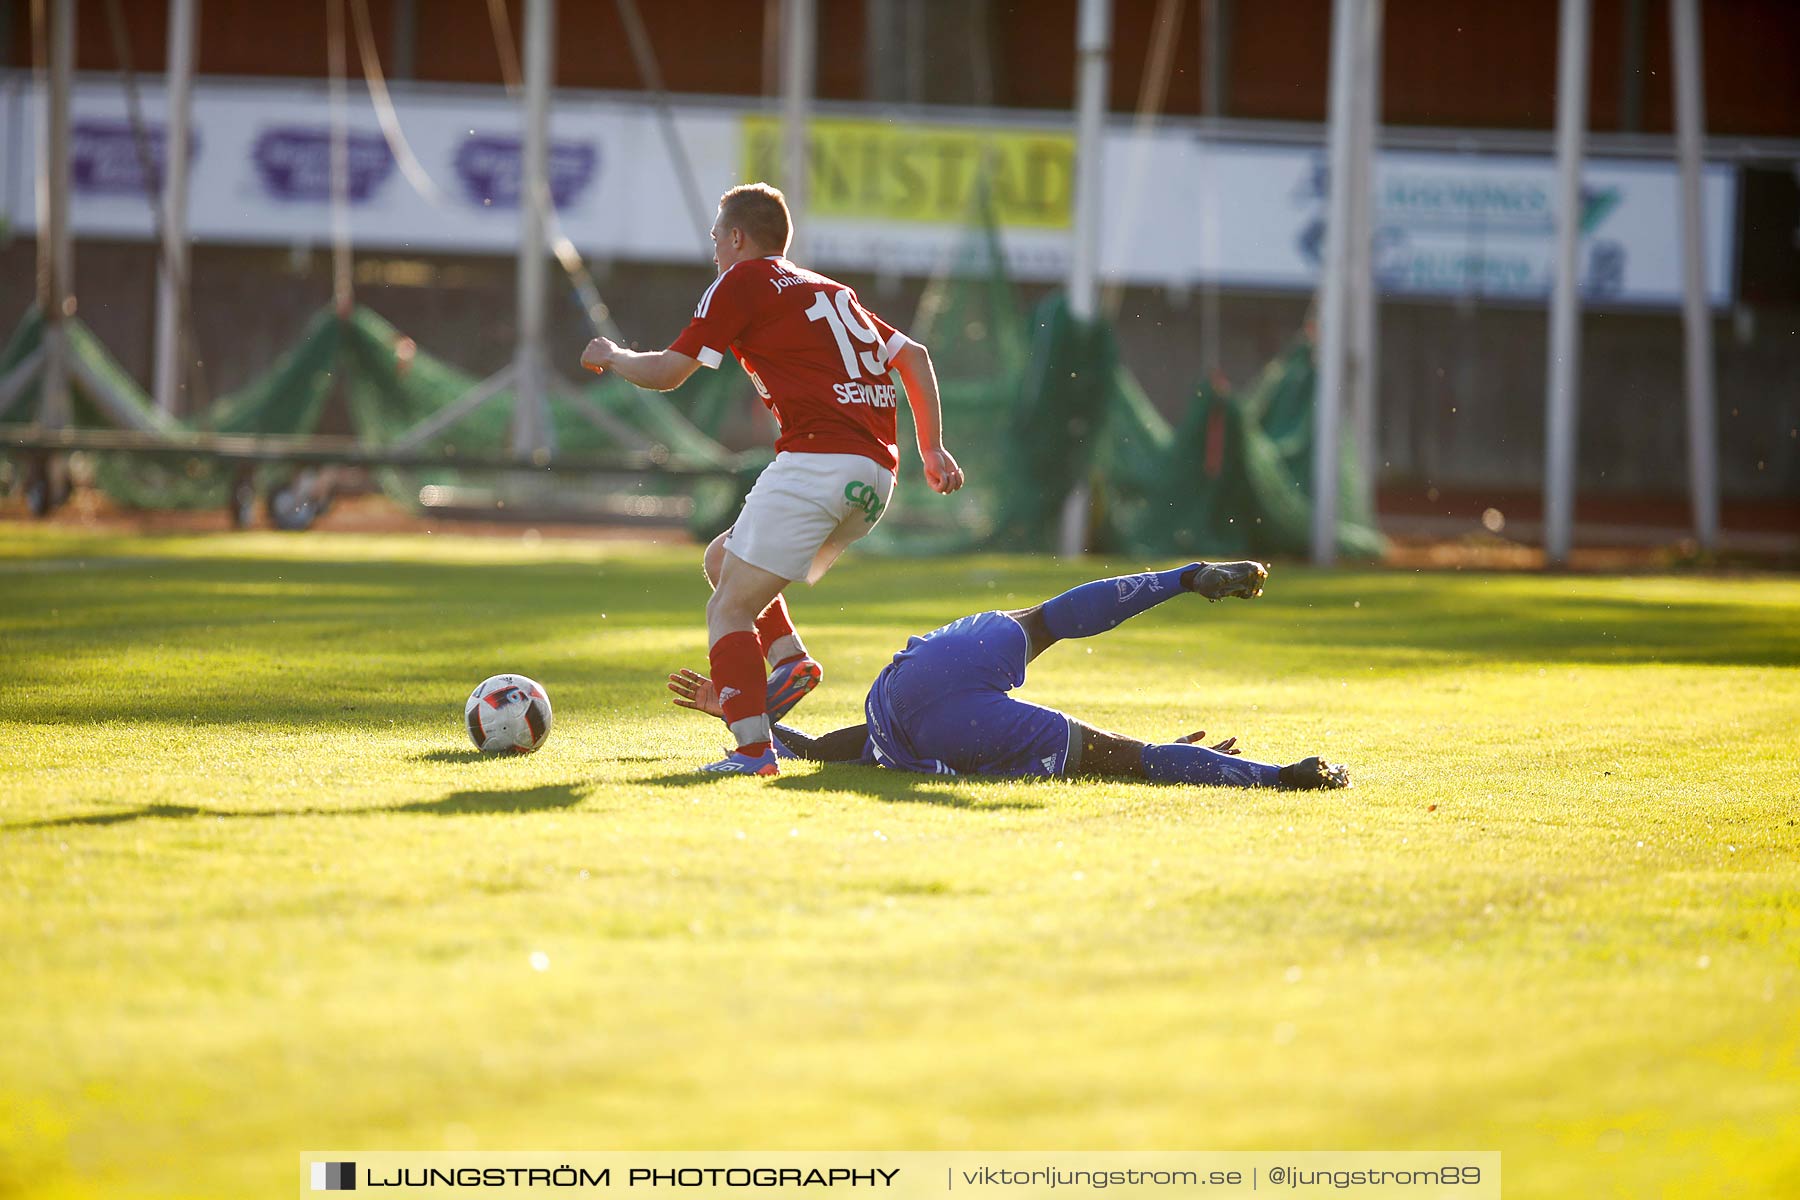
{"x": 1244, "y": 580}
{"x": 789, "y": 684}
{"x": 779, "y": 746}
{"x": 742, "y": 764}
{"x": 1314, "y": 774}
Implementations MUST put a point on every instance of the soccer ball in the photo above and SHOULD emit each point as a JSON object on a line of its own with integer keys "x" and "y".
{"x": 508, "y": 714}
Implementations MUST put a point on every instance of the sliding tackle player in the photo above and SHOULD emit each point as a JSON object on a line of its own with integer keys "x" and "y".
{"x": 943, "y": 705}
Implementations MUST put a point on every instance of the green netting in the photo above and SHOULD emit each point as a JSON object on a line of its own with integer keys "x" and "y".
{"x": 969, "y": 316}
{"x": 1032, "y": 407}
{"x": 133, "y": 481}
{"x": 26, "y": 336}
{"x": 387, "y": 387}
{"x": 88, "y": 355}
{"x": 1233, "y": 478}
{"x": 392, "y": 387}
{"x": 291, "y": 397}
{"x": 1056, "y": 424}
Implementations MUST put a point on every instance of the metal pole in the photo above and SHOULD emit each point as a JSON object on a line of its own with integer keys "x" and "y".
{"x": 884, "y": 70}
{"x": 799, "y": 24}
{"x": 1092, "y": 37}
{"x": 1153, "y": 93}
{"x": 1334, "y": 336}
{"x": 40, "y": 153}
{"x": 406, "y": 38}
{"x": 771, "y": 48}
{"x": 1631, "y": 73}
{"x": 1215, "y": 56}
{"x": 1564, "y": 399}
{"x": 1214, "y": 61}
{"x": 1363, "y": 298}
{"x": 57, "y": 297}
{"x": 1696, "y": 320}
{"x": 342, "y": 292}
{"x": 531, "y": 427}
{"x": 1090, "y": 116}
{"x": 172, "y": 270}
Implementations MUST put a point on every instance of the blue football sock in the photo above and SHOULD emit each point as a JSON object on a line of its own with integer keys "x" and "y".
{"x": 1101, "y": 605}
{"x": 1181, "y": 762}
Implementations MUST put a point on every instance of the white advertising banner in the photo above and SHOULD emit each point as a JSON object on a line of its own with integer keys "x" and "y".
{"x": 1446, "y": 224}
{"x": 885, "y": 195}
{"x": 261, "y": 171}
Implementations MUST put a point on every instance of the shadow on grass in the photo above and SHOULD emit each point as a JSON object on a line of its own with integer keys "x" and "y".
{"x": 877, "y": 783}
{"x": 268, "y": 640}
{"x": 545, "y": 798}
{"x": 908, "y": 787}
{"x": 161, "y": 812}
{"x": 538, "y": 799}
{"x": 468, "y": 754}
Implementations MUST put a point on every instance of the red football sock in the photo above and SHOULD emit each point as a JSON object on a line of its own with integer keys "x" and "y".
{"x": 774, "y": 624}
{"x": 742, "y": 680}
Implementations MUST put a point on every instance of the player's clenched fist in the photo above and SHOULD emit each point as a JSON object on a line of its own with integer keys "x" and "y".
{"x": 599, "y": 354}
{"x": 941, "y": 471}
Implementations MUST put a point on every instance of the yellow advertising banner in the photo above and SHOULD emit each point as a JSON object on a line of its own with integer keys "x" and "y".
{"x": 893, "y": 171}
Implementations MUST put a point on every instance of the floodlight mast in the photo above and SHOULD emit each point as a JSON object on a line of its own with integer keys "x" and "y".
{"x": 1214, "y": 32}
{"x": 1364, "y": 299}
{"x": 343, "y": 290}
{"x": 172, "y": 268}
{"x": 1333, "y": 311}
{"x": 799, "y": 27}
{"x": 531, "y": 433}
{"x": 1093, "y": 32}
{"x": 1696, "y": 319}
{"x": 1092, "y": 48}
{"x": 1563, "y": 391}
{"x": 56, "y": 255}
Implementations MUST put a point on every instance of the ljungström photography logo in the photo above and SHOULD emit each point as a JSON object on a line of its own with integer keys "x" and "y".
{"x": 334, "y": 1177}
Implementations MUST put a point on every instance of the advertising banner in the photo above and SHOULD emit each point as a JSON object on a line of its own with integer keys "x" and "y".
{"x": 1445, "y": 224}
{"x": 261, "y": 171}
{"x": 928, "y": 174}
{"x": 894, "y": 196}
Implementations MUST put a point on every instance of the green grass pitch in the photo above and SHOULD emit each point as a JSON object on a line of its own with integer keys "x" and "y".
{"x": 257, "y": 895}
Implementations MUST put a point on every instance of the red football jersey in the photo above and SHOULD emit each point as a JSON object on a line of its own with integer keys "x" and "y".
{"x": 818, "y": 358}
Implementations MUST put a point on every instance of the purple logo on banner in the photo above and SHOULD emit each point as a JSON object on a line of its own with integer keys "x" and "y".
{"x": 295, "y": 163}
{"x": 105, "y": 159}
{"x": 488, "y": 166}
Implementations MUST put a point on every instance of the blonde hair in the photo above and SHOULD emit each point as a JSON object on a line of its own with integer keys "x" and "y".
{"x": 761, "y": 211}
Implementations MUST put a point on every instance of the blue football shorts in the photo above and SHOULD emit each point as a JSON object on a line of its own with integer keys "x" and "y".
{"x": 942, "y": 704}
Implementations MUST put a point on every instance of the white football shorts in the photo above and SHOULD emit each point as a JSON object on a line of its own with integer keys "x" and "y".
{"x": 805, "y": 509}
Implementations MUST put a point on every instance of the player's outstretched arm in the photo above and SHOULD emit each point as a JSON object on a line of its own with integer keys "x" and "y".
{"x": 840, "y": 745}
{"x": 916, "y": 372}
{"x": 694, "y": 690}
{"x": 658, "y": 370}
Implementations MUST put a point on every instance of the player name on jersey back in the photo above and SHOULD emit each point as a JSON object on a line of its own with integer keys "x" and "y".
{"x": 817, "y": 357}
{"x": 880, "y": 395}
